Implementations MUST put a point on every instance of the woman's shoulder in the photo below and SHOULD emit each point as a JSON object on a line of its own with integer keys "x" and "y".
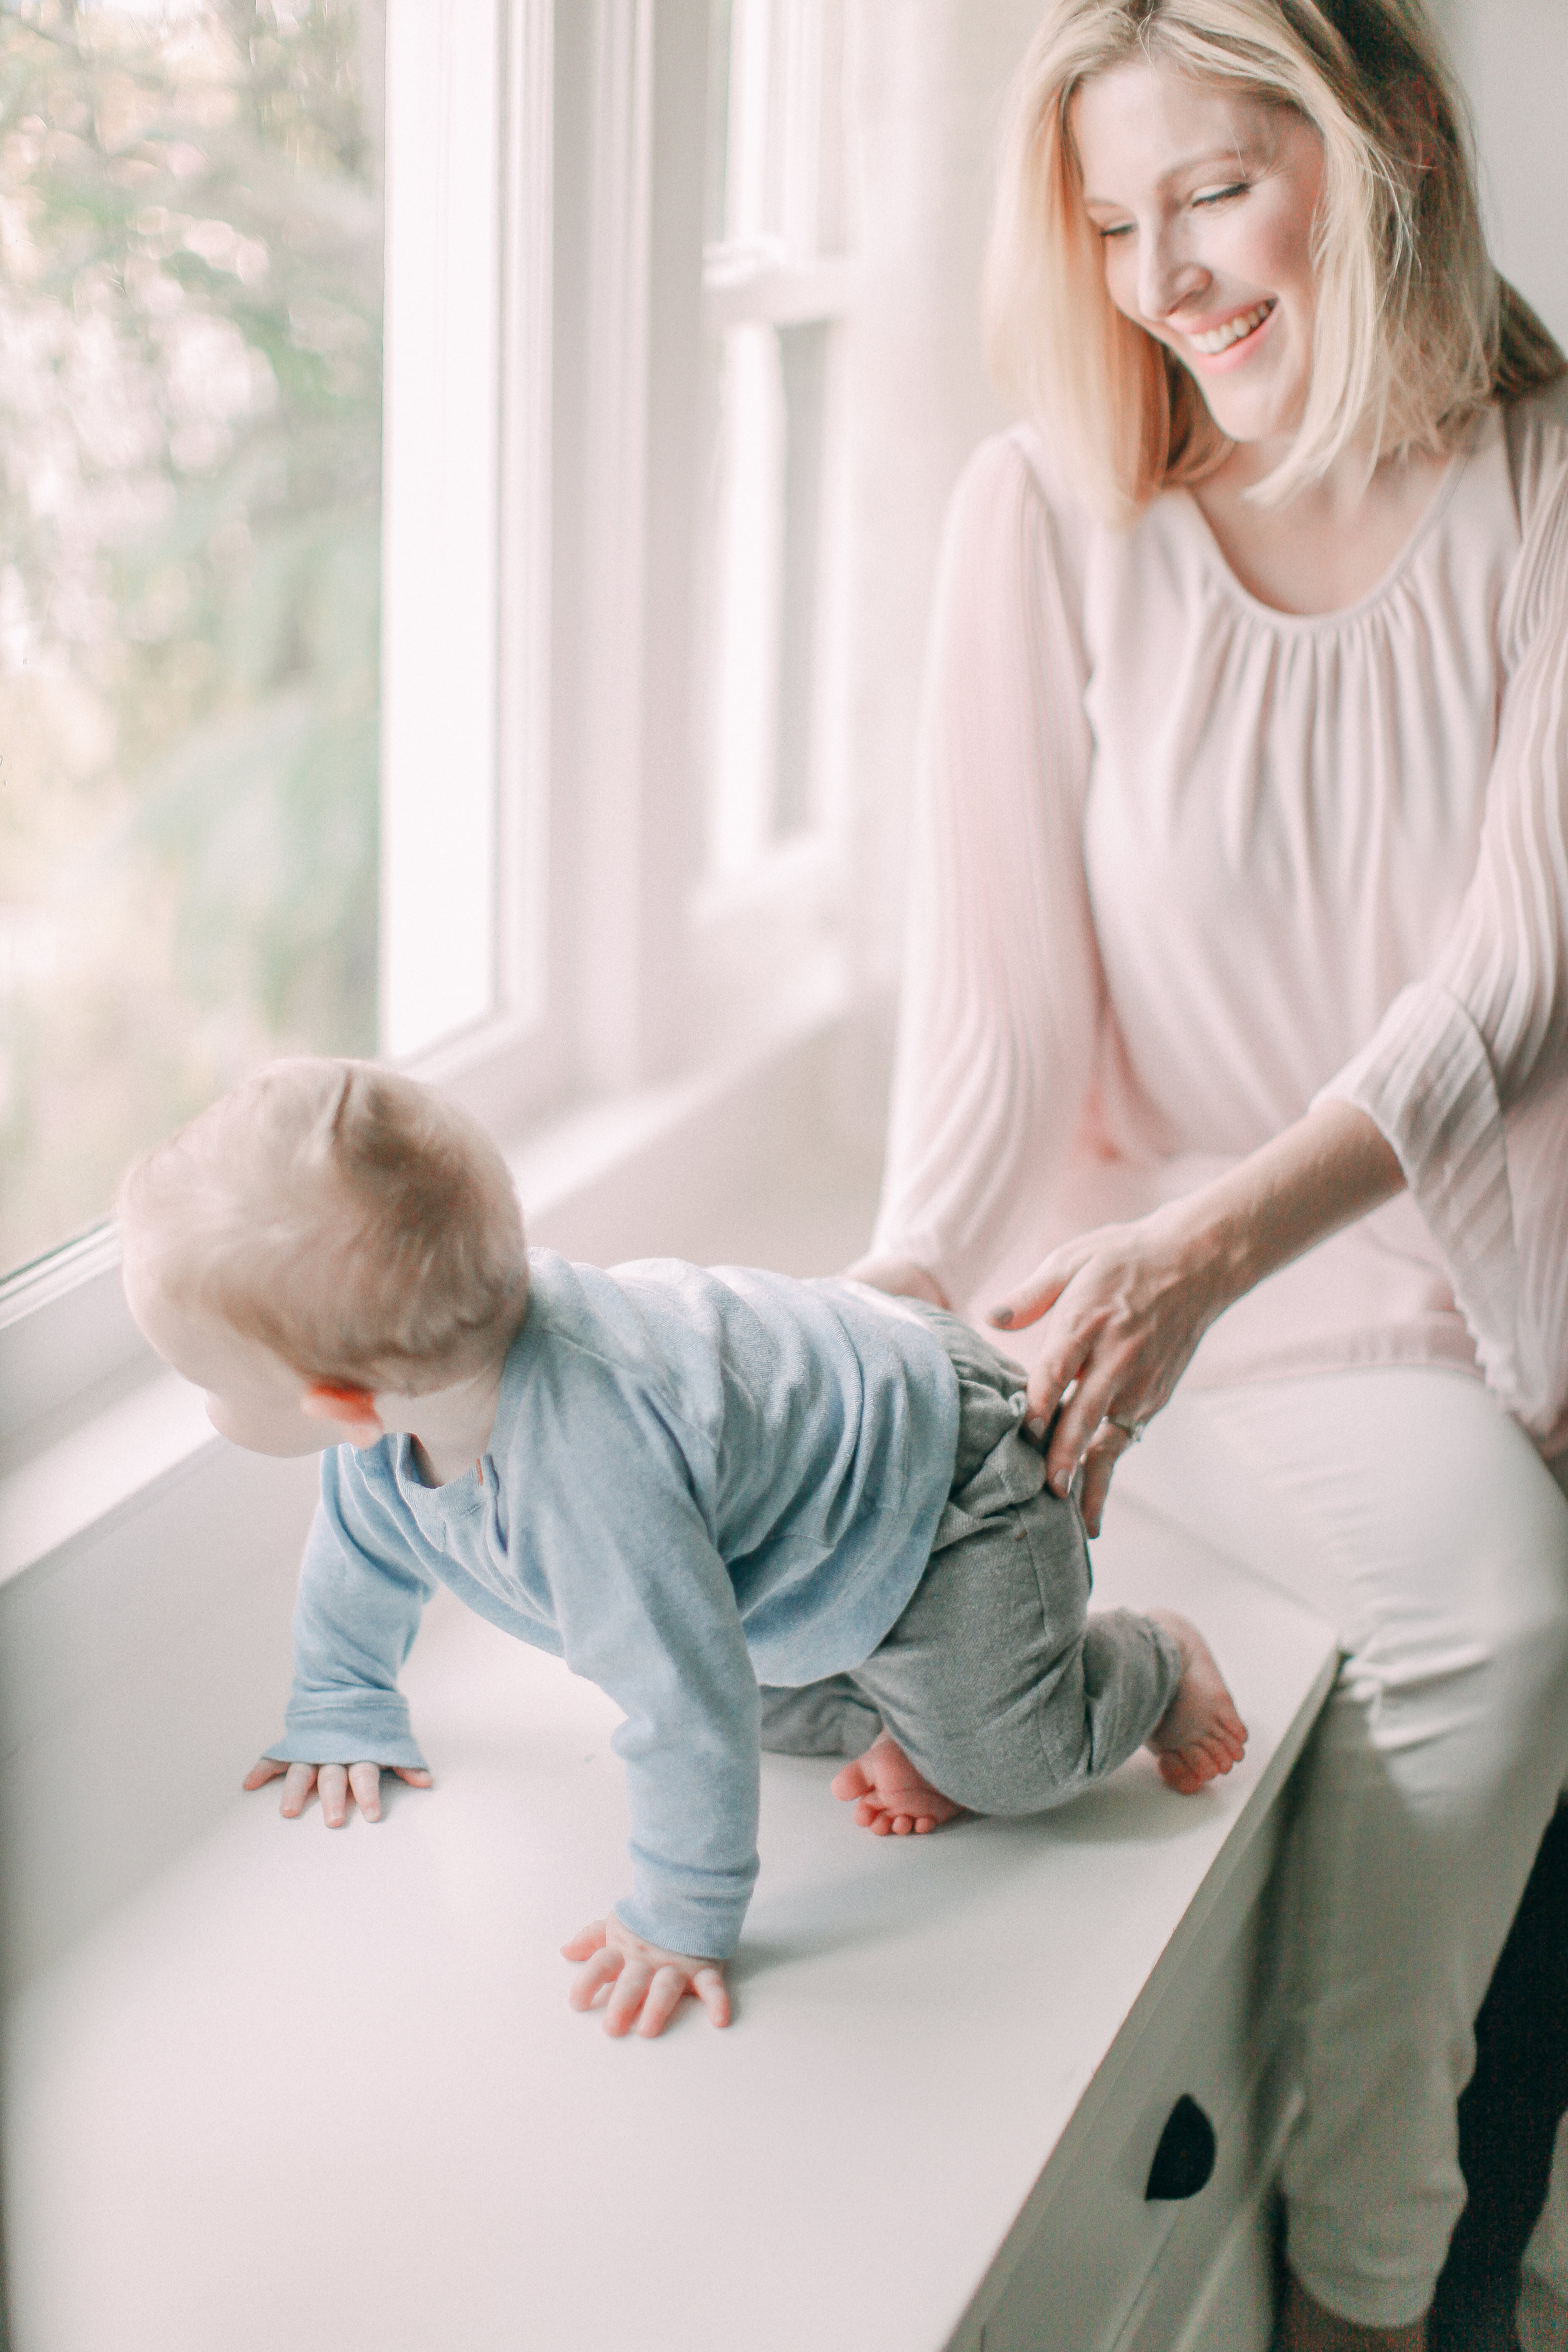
{"x": 1535, "y": 434}
{"x": 1025, "y": 461}
{"x": 1015, "y": 489}
{"x": 1535, "y": 431}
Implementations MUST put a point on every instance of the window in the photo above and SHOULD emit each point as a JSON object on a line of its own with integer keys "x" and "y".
{"x": 190, "y": 404}
{"x": 776, "y": 283}
{"x": 463, "y": 740}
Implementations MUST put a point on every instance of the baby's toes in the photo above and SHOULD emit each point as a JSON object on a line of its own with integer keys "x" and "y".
{"x": 1175, "y": 1771}
{"x": 851, "y": 1780}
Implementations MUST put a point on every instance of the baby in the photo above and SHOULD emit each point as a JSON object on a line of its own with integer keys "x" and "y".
{"x": 686, "y": 1483}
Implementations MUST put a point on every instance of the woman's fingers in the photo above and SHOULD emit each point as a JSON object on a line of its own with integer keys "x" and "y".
{"x": 417, "y": 1777}
{"x": 1034, "y": 1297}
{"x": 1099, "y": 1468}
{"x": 364, "y": 1779}
{"x": 1081, "y": 1422}
{"x": 265, "y": 1769}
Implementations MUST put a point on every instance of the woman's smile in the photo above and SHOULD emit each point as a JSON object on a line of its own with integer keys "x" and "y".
{"x": 1222, "y": 345}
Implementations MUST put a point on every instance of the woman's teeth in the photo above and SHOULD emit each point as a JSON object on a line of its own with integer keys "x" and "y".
{"x": 1220, "y": 339}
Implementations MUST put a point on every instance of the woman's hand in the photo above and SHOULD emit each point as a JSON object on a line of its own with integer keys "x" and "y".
{"x": 1125, "y": 1307}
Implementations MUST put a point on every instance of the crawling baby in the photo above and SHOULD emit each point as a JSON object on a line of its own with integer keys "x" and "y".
{"x": 756, "y": 1512}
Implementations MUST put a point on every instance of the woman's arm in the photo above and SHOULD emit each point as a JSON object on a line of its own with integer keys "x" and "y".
{"x": 1466, "y": 1073}
{"x": 1125, "y": 1306}
{"x": 1000, "y": 1007}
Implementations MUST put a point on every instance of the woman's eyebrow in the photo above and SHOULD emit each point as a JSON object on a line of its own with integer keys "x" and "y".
{"x": 1230, "y": 158}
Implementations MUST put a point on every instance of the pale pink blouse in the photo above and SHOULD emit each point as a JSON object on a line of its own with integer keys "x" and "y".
{"x": 1184, "y": 863}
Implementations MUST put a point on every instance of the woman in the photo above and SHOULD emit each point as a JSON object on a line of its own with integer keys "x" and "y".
{"x": 1238, "y": 934}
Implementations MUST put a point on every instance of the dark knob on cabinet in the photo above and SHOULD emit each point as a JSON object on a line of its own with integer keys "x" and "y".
{"x": 1184, "y": 2158}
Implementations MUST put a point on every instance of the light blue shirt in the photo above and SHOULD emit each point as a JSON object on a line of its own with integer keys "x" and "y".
{"x": 697, "y": 1480}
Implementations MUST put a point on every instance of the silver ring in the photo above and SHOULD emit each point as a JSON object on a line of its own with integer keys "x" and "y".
{"x": 1130, "y": 1430}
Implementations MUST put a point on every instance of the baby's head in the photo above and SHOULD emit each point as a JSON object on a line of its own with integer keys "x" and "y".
{"x": 328, "y": 1234}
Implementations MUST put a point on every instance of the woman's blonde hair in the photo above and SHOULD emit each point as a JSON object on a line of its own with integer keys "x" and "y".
{"x": 1415, "y": 329}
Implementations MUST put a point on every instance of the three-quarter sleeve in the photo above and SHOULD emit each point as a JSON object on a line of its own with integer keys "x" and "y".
{"x": 1001, "y": 988}
{"x": 1455, "y": 1072}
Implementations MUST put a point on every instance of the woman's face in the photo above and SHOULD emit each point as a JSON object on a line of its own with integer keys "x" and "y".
{"x": 1204, "y": 199}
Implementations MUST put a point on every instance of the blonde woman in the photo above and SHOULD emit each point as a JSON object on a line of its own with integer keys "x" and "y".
{"x": 1233, "y": 1040}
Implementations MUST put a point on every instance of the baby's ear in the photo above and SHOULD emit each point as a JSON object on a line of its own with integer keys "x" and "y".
{"x": 345, "y": 1408}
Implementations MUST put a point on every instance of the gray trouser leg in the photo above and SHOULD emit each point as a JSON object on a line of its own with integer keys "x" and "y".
{"x": 996, "y": 1681}
{"x": 826, "y": 1719}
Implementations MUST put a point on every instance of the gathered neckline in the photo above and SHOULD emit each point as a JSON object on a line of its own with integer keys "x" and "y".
{"x": 1339, "y": 616}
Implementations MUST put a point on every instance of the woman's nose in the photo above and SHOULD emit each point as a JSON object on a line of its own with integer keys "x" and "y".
{"x": 1166, "y": 277}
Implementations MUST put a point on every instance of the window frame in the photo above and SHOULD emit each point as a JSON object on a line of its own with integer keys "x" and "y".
{"x": 606, "y": 958}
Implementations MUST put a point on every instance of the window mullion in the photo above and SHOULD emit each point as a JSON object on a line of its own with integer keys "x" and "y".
{"x": 629, "y": 653}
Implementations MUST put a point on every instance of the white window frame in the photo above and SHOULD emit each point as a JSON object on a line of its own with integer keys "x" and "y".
{"x": 777, "y": 931}
{"x": 568, "y": 136}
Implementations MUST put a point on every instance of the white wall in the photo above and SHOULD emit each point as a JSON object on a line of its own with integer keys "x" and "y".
{"x": 1512, "y": 55}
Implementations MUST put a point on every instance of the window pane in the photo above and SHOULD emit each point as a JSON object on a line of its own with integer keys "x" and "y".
{"x": 775, "y": 217}
{"x": 190, "y": 406}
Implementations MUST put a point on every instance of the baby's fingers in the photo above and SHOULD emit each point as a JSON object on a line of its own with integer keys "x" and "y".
{"x": 603, "y": 1969}
{"x": 590, "y": 1938}
{"x": 298, "y": 1783}
{"x": 333, "y": 1788}
{"x": 631, "y": 1991}
{"x": 664, "y": 1997}
{"x": 711, "y": 1990}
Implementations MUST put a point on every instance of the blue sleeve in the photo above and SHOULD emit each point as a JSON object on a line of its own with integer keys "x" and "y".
{"x": 647, "y": 1610}
{"x": 354, "y": 1623}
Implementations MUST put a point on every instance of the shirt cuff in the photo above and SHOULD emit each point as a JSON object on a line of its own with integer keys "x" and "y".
{"x": 369, "y": 1727}
{"x": 1425, "y": 1080}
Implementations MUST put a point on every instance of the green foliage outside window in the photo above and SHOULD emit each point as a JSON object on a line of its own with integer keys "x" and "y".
{"x": 190, "y": 497}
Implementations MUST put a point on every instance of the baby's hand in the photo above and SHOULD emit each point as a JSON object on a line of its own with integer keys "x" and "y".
{"x": 335, "y": 1783}
{"x": 649, "y": 1982}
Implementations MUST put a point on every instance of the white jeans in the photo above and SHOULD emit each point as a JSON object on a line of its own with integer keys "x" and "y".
{"x": 1406, "y": 1509}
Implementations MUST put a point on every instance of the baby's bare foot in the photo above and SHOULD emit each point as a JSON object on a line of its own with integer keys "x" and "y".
{"x": 889, "y": 1797}
{"x": 1200, "y": 1735}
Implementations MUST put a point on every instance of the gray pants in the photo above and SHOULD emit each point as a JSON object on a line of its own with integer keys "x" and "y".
{"x": 996, "y": 1682}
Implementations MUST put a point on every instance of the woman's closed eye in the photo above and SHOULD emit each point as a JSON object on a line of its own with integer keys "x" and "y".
{"x": 1206, "y": 196}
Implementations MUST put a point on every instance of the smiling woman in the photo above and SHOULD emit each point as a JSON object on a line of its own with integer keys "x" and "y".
{"x": 1232, "y": 1074}
{"x": 1407, "y": 327}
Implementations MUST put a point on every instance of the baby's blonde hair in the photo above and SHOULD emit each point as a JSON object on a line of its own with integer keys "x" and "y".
{"x": 1415, "y": 329}
{"x": 354, "y": 1222}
